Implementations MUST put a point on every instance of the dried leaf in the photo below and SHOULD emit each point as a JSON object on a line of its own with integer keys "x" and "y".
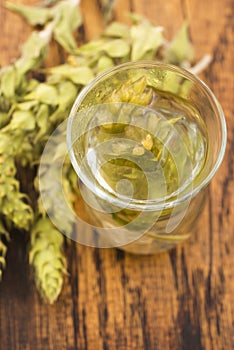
{"x": 10, "y": 81}
{"x": 4, "y": 143}
{"x": 136, "y": 18}
{"x": 4, "y": 119}
{"x": 67, "y": 93}
{"x": 33, "y": 15}
{"x": 116, "y": 48}
{"x": 180, "y": 48}
{"x": 26, "y": 106}
{"x": 44, "y": 93}
{"x": 79, "y": 75}
{"x": 104, "y": 62}
{"x": 145, "y": 38}
{"x": 42, "y": 117}
{"x": 118, "y": 30}
{"x": 30, "y": 85}
{"x": 22, "y": 120}
{"x": 67, "y": 17}
{"x": 91, "y": 48}
{"x": 33, "y": 53}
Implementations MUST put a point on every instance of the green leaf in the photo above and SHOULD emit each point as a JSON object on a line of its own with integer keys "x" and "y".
{"x": 33, "y": 15}
{"x": 23, "y": 120}
{"x": 34, "y": 45}
{"x": 26, "y": 106}
{"x": 33, "y": 52}
{"x": 4, "y": 143}
{"x": 104, "y": 62}
{"x": 145, "y": 38}
{"x": 180, "y": 48}
{"x": 67, "y": 18}
{"x": 44, "y": 93}
{"x": 118, "y": 30}
{"x": 30, "y": 85}
{"x": 4, "y": 119}
{"x": 79, "y": 75}
{"x": 91, "y": 48}
{"x": 116, "y": 48}
{"x": 10, "y": 81}
{"x": 136, "y": 18}
{"x": 67, "y": 93}
{"x": 42, "y": 117}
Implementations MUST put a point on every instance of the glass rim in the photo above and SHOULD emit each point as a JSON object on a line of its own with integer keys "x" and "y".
{"x": 149, "y": 204}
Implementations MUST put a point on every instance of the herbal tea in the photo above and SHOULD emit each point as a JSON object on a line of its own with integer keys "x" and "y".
{"x": 140, "y": 138}
{"x": 142, "y": 144}
{"x": 158, "y": 148}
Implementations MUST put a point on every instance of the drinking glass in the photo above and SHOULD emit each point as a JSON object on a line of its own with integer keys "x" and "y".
{"x": 145, "y": 139}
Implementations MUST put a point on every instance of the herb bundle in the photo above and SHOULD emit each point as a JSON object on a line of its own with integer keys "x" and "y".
{"x": 30, "y": 109}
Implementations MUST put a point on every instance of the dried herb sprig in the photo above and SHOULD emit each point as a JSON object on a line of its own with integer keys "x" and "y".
{"x": 47, "y": 259}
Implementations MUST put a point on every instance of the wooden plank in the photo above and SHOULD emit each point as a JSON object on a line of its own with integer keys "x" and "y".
{"x": 179, "y": 300}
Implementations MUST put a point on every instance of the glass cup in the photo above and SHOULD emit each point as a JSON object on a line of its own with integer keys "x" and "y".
{"x": 145, "y": 139}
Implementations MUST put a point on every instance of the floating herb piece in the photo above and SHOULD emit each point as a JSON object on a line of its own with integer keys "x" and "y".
{"x": 133, "y": 92}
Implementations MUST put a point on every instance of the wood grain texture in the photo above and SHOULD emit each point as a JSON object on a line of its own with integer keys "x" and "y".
{"x": 181, "y": 300}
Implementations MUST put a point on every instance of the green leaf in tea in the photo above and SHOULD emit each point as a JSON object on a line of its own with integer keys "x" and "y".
{"x": 135, "y": 92}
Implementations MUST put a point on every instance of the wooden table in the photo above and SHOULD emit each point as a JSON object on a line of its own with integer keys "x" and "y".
{"x": 111, "y": 300}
